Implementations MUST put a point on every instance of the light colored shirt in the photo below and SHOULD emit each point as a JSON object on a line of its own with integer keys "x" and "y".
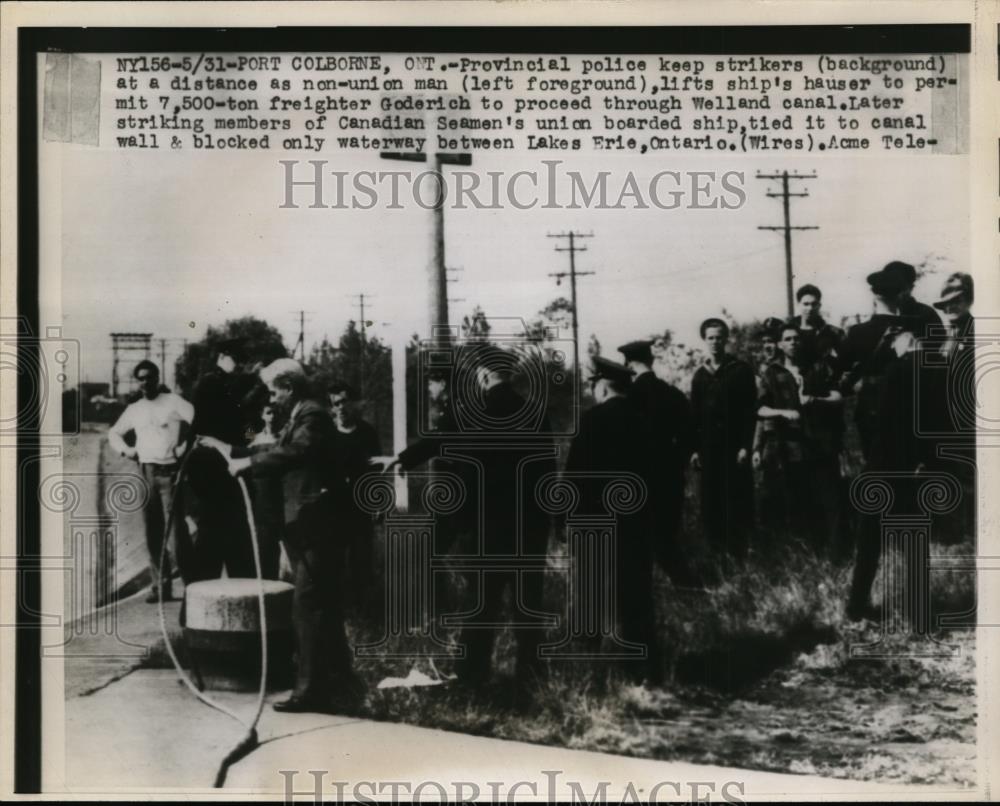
{"x": 157, "y": 427}
{"x": 265, "y": 437}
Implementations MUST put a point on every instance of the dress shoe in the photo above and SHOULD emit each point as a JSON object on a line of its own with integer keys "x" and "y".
{"x": 298, "y": 704}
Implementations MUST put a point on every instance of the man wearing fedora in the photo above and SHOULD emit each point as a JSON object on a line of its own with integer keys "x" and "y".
{"x": 953, "y": 390}
{"x": 926, "y": 317}
{"x": 898, "y": 450}
{"x": 867, "y": 348}
{"x": 955, "y": 304}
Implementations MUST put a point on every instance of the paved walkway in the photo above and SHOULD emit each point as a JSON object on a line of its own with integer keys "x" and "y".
{"x": 113, "y": 641}
{"x": 129, "y": 729}
{"x": 146, "y": 730}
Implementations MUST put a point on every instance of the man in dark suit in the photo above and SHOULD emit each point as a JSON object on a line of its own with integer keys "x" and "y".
{"x": 612, "y": 440}
{"x": 222, "y": 537}
{"x": 897, "y": 448}
{"x": 303, "y": 458}
{"x": 509, "y": 439}
{"x": 665, "y": 428}
{"x": 925, "y": 317}
{"x": 867, "y": 350}
{"x": 357, "y": 442}
{"x": 455, "y": 531}
{"x": 954, "y": 394}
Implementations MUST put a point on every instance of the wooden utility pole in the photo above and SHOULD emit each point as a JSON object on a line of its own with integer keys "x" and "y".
{"x": 363, "y": 321}
{"x": 572, "y": 274}
{"x": 437, "y": 276}
{"x": 364, "y": 342}
{"x": 436, "y": 272}
{"x": 787, "y": 227}
{"x": 300, "y": 342}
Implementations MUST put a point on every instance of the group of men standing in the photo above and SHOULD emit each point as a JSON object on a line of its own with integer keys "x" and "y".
{"x": 300, "y": 478}
{"x": 783, "y": 419}
{"x": 911, "y": 372}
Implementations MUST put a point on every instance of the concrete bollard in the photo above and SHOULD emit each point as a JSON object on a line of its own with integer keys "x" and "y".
{"x": 222, "y": 632}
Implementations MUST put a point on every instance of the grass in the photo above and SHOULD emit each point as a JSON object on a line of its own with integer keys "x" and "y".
{"x": 759, "y": 675}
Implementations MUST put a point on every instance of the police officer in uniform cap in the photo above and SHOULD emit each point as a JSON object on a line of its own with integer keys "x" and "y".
{"x": 768, "y": 335}
{"x": 611, "y": 440}
{"x": 608, "y": 440}
{"x": 665, "y": 428}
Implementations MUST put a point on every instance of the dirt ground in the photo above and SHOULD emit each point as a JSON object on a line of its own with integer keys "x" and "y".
{"x": 760, "y": 676}
{"x": 909, "y": 721}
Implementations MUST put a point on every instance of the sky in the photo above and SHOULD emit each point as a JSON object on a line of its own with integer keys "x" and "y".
{"x": 173, "y": 241}
{"x": 171, "y": 244}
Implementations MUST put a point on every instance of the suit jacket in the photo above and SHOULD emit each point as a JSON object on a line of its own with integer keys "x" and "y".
{"x": 304, "y": 456}
{"x": 924, "y": 316}
{"x": 217, "y": 410}
{"x": 511, "y": 460}
{"x": 609, "y": 442}
{"x": 665, "y": 423}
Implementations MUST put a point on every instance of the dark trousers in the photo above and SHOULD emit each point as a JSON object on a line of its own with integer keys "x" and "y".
{"x": 866, "y": 565}
{"x": 160, "y": 485}
{"x": 324, "y": 656}
{"x": 826, "y": 520}
{"x": 479, "y": 633}
{"x": 662, "y": 530}
{"x": 637, "y": 610}
{"x": 726, "y": 501}
{"x": 268, "y": 517}
{"x": 216, "y": 504}
{"x": 631, "y": 613}
{"x": 360, "y": 536}
{"x": 784, "y": 498}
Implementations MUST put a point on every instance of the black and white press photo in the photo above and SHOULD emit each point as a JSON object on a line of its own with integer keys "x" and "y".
{"x": 429, "y": 410}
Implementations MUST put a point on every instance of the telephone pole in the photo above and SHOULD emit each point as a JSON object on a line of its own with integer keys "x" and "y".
{"x": 787, "y": 227}
{"x": 437, "y": 275}
{"x": 163, "y": 359}
{"x": 300, "y": 343}
{"x": 361, "y": 311}
{"x": 572, "y": 274}
{"x": 364, "y": 340}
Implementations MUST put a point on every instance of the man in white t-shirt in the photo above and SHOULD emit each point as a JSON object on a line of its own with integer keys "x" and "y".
{"x": 158, "y": 420}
